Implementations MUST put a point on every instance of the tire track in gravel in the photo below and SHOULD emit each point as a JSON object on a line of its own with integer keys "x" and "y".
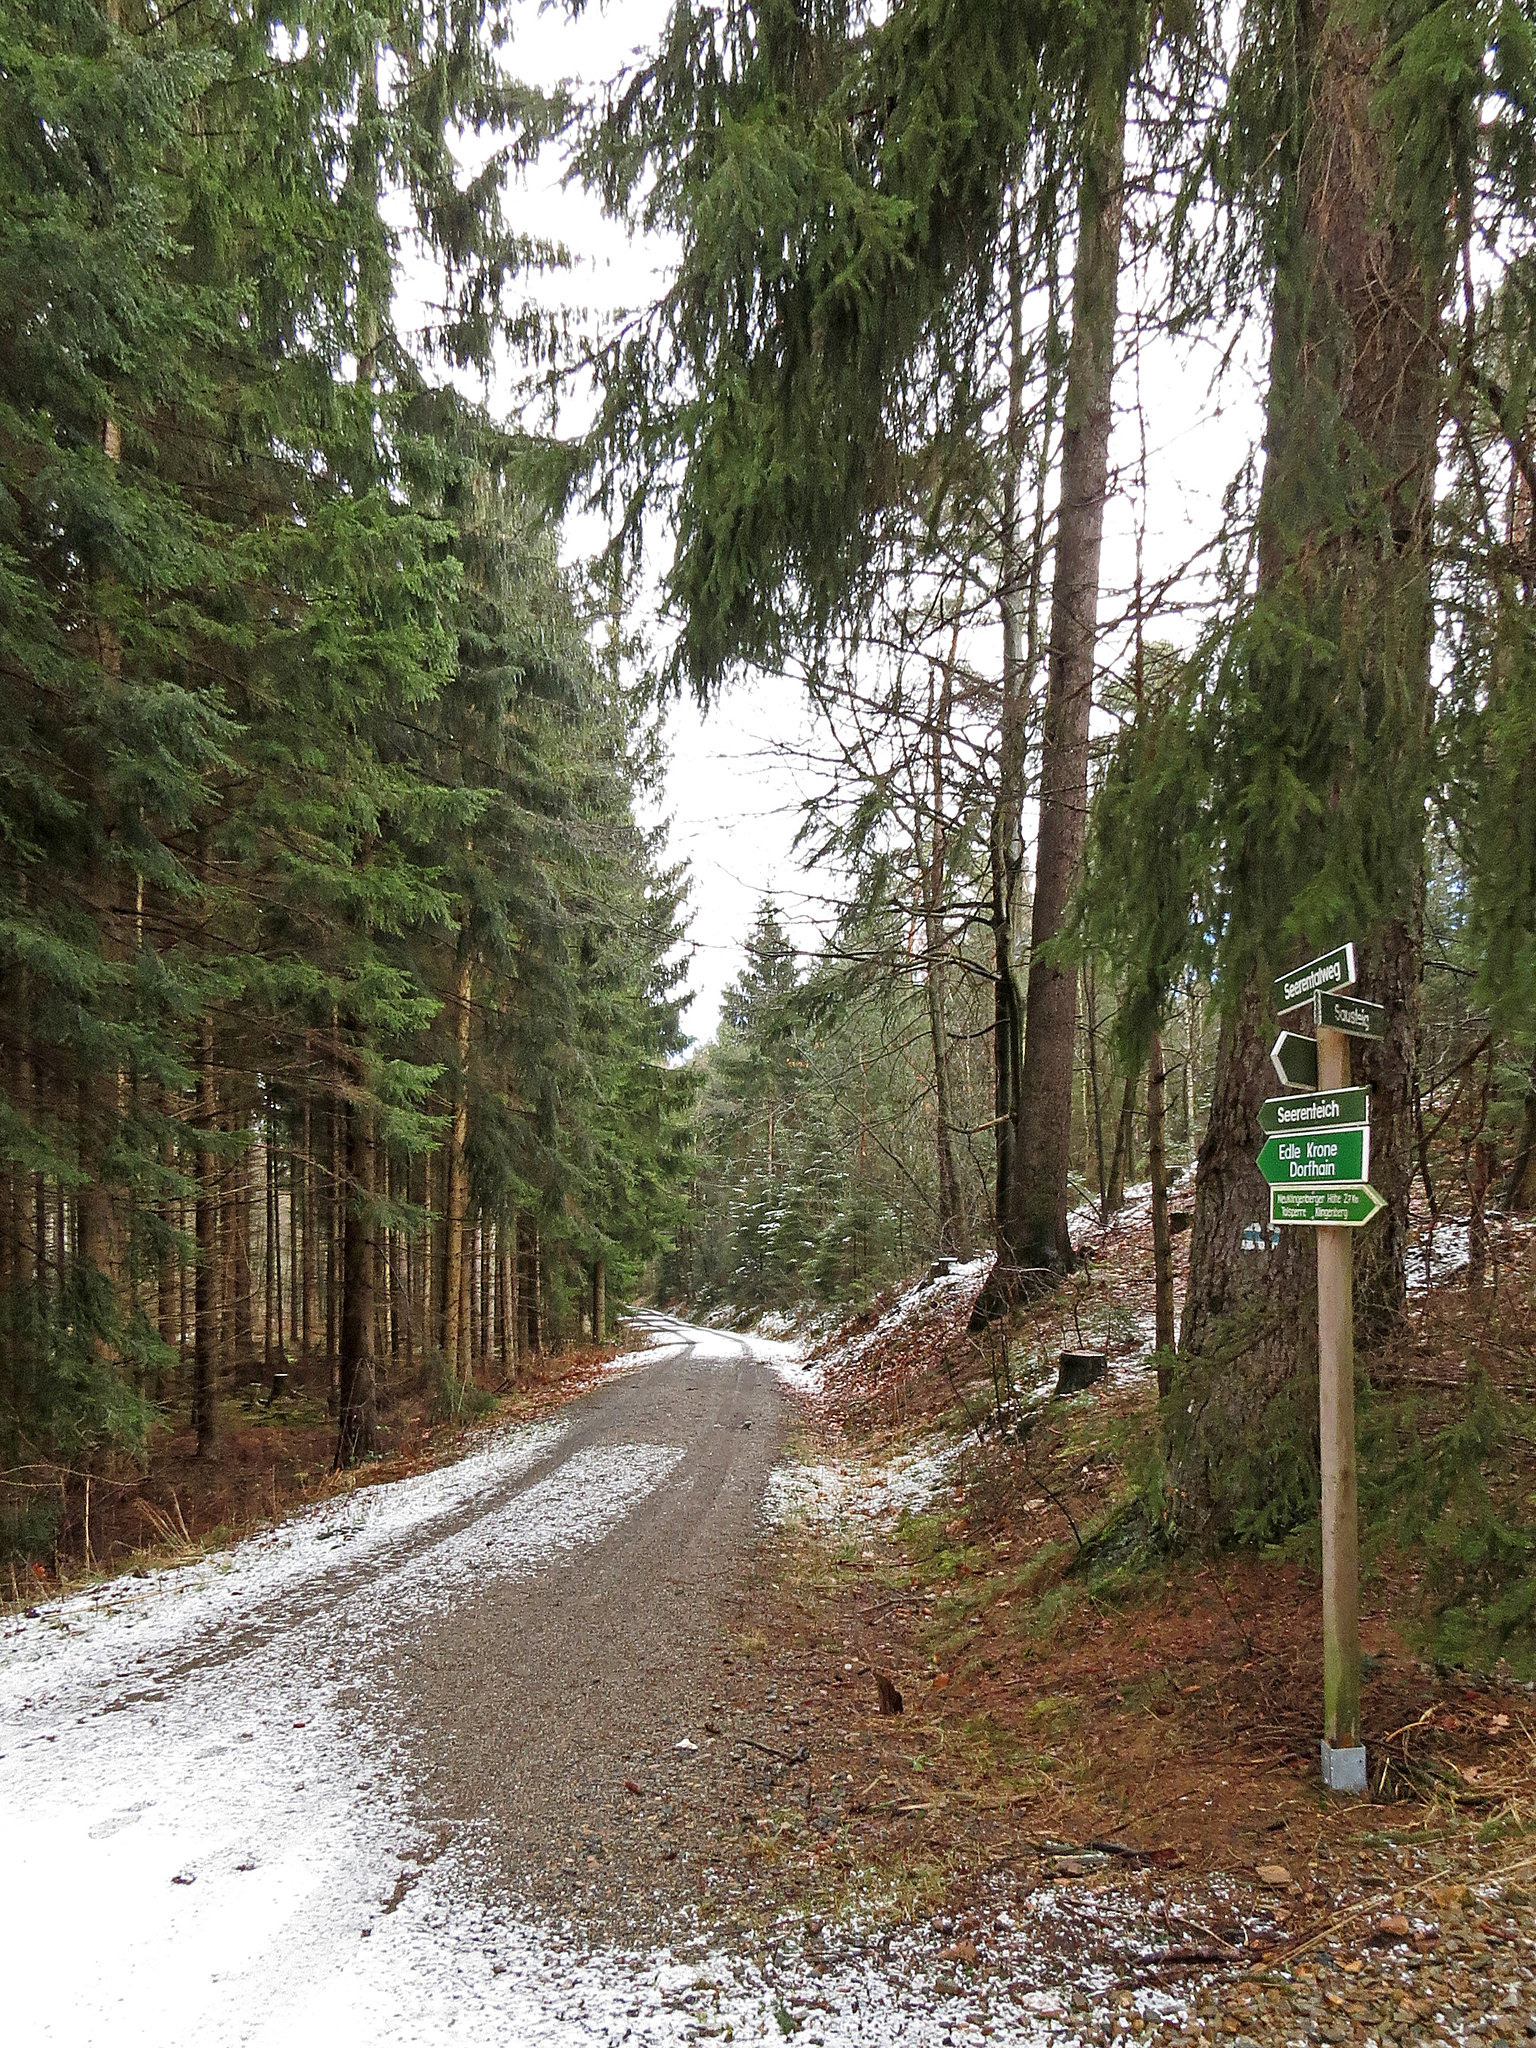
{"x": 236, "y": 1769}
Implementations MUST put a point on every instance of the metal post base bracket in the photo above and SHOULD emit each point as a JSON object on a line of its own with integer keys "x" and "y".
{"x": 1343, "y": 1769}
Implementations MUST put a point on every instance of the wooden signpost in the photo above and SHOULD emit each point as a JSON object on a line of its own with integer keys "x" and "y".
{"x": 1316, "y": 1156}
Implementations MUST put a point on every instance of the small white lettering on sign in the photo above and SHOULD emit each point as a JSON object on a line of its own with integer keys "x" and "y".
{"x": 1326, "y": 1111}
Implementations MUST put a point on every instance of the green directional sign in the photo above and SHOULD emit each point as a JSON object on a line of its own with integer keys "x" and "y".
{"x": 1330, "y": 1111}
{"x": 1339, "y": 1208}
{"x": 1328, "y": 970}
{"x": 1350, "y": 1015}
{"x": 1294, "y": 1059}
{"x": 1316, "y": 1158}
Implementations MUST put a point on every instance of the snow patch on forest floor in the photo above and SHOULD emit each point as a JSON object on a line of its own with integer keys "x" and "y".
{"x": 1435, "y": 1252}
{"x": 1135, "y": 1213}
{"x": 922, "y": 1299}
{"x": 855, "y": 1499}
{"x": 437, "y": 1972}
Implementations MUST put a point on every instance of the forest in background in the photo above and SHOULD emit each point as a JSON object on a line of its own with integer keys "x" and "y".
{"x": 340, "y": 975}
{"x": 947, "y": 278}
{"x": 342, "y": 1021}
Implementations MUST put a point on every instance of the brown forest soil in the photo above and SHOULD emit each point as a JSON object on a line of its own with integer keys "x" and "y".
{"x": 1148, "y": 1727}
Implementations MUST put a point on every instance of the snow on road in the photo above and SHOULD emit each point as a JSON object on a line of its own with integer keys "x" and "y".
{"x": 208, "y": 1830}
{"x": 84, "y": 1645}
{"x": 721, "y": 1347}
{"x": 197, "y": 1836}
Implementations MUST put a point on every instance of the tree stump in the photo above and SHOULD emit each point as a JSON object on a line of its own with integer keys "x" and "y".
{"x": 1079, "y": 1370}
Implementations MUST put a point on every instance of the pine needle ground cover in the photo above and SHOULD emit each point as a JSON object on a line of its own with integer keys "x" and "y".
{"x": 1117, "y": 1739}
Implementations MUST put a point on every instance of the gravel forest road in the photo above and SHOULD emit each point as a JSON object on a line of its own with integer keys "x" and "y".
{"x": 501, "y": 1755}
{"x": 351, "y": 1779}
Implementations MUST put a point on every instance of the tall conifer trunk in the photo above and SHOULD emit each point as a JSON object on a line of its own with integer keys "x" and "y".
{"x": 1121, "y": 1158}
{"x": 1038, "y": 1243}
{"x": 311, "y": 1294}
{"x": 421, "y": 1269}
{"x": 242, "y": 1281}
{"x": 1162, "y": 1239}
{"x": 205, "y": 1334}
{"x": 269, "y": 1265}
{"x": 1005, "y": 838}
{"x": 334, "y": 1220}
{"x": 357, "y": 1394}
{"x": 510, "y": 1276}
{"x": 1344, "y": 527}
{"x": 1519, "y": 1191}
{"x": 1033, "y": 1052}
{"x": 167, "y": 1260}
{"x": 455, "y": 1279}
{"x": 95, "y": 1247}
{"x": 934, "y": 870}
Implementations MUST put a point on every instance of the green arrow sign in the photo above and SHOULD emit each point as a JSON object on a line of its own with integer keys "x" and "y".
{"x": 1341, "y": 1208}
{"x": 1328, "y": 1112}
{"x": 1314, "y": 1158}
{"x": 1328, "y": 970}
{"x": 1349, "y": 1014}
{"x": 1295, "y": 1059}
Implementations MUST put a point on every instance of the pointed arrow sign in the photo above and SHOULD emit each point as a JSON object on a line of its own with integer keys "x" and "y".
{"x": 1314, "y": 1158}
{"x": 1334, "y": 1208}
{"x": 1327, "y": 1112}
{"x": 1295, "y": 1059}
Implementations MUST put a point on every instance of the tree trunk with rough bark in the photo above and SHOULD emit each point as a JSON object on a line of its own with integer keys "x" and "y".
{"x": 242, "y": 1285}
{"x": 1519, "y": 1191}
{"x": 311, "y": 1293}
{"x": 1034, "y": 1050}
{"x": 167, "y": 1260}
{"x": 335, "y": 1223}
{"x": 94, "y": 1247}
{"x": 402, "y": 1336}
{"x": 531, "y": 1291}
{"x": 1125, "y": 1146}
{"x": 1354, "y": 409}
{"x": 1162, "y": 1237}
{"x": 455, "y": 1289}
{"x": 357, "y": 1394}
{"x": 934, "y": 871}
{"x": 269, "y": 1347}
{"x": 1038, "y": 1223}
{"x": 1093, "y": 1086}
{"x": 1005, "y": 836}
{"x": 510, "y": 1276}
{"x": 205, "y": 1334}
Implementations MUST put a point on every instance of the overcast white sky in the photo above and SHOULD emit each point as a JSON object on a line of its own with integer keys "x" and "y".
{"x": 731, "y": 804}
{"x": 732, "y": 797}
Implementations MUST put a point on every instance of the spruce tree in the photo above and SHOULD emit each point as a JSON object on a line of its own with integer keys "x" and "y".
{"x": 854, "y": 196}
